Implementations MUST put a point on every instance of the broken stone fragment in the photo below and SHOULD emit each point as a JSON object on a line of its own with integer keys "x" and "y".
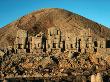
{"x": 54, "y": 59}
{"x": 93, "y": 78}
{"x": 4, "y": 80}
{"x": 99, "y": 77}
{"x": 46, "y": 75}
{"x": 84, "y": 79}
{"x": 70, "y": 54}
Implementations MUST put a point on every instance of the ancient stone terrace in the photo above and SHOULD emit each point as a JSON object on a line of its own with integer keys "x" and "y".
{"x": 55, "y": 40}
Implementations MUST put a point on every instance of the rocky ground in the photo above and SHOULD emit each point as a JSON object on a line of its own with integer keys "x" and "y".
{"x": 53, "y": 65}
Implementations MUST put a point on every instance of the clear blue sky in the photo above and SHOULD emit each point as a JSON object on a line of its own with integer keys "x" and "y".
{"x": 97, "y": 10}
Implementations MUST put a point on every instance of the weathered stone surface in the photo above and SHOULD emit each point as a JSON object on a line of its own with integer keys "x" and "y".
{"x": 99, "y": 77}
{"x": 93, "y": 78}
{"x": 1, "y": 53}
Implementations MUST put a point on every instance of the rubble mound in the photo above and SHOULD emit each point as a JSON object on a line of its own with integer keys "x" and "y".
{"x": 52, "y": 66}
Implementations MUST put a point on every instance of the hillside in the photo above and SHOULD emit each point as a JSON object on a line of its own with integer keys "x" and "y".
{"x": 43, "y": 19}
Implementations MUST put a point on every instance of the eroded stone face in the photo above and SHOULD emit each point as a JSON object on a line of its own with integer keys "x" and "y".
{"x": 21, "y": 38}
{"x": 55, "y": 40}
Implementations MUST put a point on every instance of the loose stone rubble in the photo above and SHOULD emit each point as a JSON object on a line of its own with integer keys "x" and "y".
{"x": 56, "y": 55}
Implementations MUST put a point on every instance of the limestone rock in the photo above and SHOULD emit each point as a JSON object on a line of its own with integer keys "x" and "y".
{"x": 93, "y": 78}
{"x": 1, "y": 53}
{"x": 99, "y": 77}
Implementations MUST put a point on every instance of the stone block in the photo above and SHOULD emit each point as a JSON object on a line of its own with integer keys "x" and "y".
{"x": 93, "y": 78}
{"x": 99, "y": 78}
{"x": 21, "y": 51}
{"x": 1, "y": 53}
